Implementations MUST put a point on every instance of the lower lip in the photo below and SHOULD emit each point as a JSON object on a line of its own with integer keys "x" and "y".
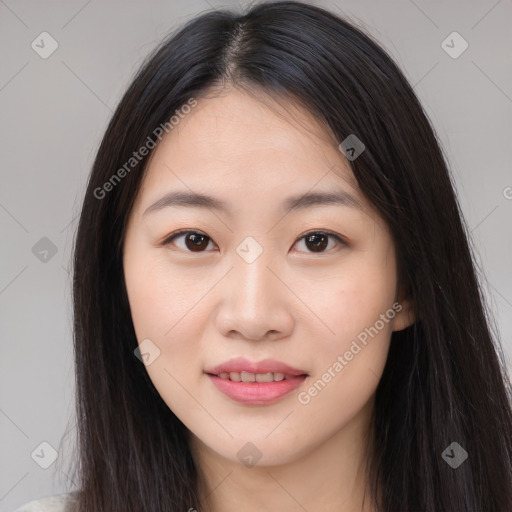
{"x": 257, "y": 393}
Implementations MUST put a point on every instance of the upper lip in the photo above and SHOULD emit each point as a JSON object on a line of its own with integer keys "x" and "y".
{"x": 241, "y": 364}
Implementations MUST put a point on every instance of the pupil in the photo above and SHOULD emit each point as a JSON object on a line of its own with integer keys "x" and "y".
{"x": 319, "y": 244}
{"x": 197, "y": 241}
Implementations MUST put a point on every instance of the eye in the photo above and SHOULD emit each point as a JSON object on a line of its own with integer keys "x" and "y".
{"x": 195, "y": 241}
{"x": 319, "y": 240}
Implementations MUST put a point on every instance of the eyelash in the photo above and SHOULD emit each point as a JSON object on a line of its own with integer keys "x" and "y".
{"x": 172, "y": 237}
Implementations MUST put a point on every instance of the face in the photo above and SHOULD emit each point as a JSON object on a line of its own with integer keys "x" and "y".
{"x": 306, "y": 289}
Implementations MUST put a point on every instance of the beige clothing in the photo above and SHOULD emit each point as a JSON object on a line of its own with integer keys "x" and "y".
{"x": 56, "y": 503}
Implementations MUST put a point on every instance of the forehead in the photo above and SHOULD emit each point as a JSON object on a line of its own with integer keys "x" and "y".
{"x": 235, "y": 143}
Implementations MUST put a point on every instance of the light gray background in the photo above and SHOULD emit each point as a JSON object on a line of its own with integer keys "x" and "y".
{"x": 55, "y": 110}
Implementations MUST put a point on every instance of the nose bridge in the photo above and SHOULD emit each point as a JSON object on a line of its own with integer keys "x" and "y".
{"x": 252, "y": 301}
{"x": 252, "y": 277}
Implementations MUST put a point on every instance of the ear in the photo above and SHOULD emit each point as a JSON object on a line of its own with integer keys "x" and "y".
{"x": 405, "y": 315}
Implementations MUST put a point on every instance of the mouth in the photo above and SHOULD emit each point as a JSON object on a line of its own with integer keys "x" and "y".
{"x": 253, "y": 383}
{"x": 244, "y": 376}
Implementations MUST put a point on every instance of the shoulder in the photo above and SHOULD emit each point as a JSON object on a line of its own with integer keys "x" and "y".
{"x": 56, "y": 503}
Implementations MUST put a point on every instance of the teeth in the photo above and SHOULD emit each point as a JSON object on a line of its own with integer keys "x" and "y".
{"x": 253, "y": 377}
{"x": 264, "y": 377}
{"x": 248, "y": 377}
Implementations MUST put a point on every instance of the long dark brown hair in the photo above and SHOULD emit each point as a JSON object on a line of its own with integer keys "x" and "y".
{"x": 444, "y": 379}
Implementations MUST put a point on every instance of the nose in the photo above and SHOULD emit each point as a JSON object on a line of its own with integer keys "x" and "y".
{"x": 255, "y": 303}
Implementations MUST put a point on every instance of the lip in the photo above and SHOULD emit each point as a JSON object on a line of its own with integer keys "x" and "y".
{"x": 241, "y": 364}
{"x": 256, "y": 393}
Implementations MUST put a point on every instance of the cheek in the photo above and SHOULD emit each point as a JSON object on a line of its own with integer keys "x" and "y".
{"x": 150, "y": 304}
{"x": 347, "y": 369}
{"x": 354, "y": 301}
{"x": 159, "y": 298}
{"x": 164, "y": 308}
{"x": 358, "y": 308}
{"x": 160, "y": 315}
{"x": 357, "y": 351}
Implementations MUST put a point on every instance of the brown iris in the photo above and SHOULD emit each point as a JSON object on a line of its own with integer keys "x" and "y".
{"x": 198, "y": 241}
{"x": 314, "y": 238}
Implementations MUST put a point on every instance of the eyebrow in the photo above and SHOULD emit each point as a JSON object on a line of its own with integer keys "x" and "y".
{"x": 300, "y": 202}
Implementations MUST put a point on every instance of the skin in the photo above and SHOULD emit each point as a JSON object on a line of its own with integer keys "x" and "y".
{"x": 291, "y": 304}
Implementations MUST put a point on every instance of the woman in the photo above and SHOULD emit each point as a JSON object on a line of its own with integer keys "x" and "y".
{"x": 275, "y": 301}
